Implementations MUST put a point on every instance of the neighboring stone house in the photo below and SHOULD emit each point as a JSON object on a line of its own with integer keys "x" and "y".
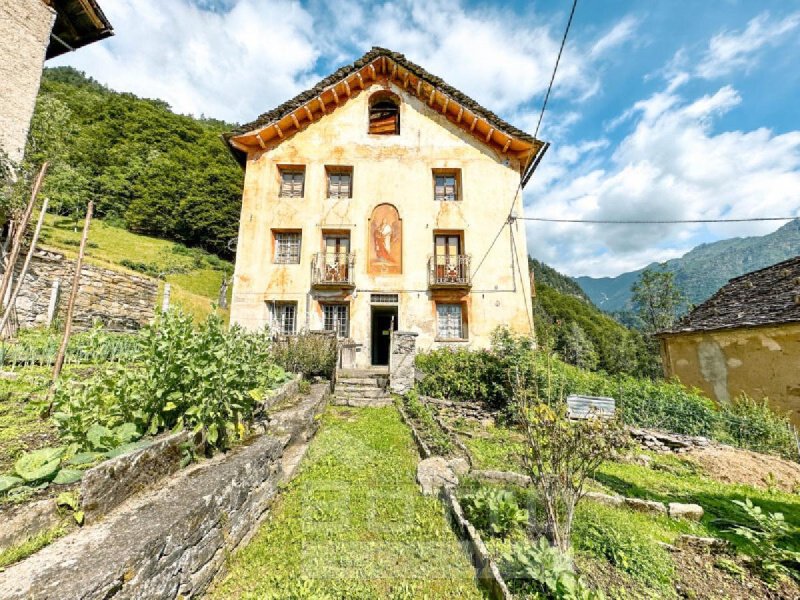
{"x": 381, "y": 198}
{"x": 30, "y": 32}
{"x": 745, "y": 338}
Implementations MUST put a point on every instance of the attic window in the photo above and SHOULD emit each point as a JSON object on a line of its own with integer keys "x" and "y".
{"x": 384, "y": 114}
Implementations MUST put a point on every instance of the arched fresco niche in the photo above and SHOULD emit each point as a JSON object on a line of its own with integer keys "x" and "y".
{"x": 385, "y": 241}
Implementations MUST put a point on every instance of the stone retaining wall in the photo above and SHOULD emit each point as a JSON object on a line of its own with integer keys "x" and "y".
{"x": 120, "y": 301}
{"x": 170, "y": 543}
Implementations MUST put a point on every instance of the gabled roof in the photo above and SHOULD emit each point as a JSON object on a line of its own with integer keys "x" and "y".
{"x": 382, "y": 64}
{"x": 78, "y": 23}
{"x": 769, "y": 296}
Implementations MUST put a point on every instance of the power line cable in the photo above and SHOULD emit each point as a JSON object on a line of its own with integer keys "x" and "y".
{"x": 555, "y": 68}
{"x": 657, "y": 221}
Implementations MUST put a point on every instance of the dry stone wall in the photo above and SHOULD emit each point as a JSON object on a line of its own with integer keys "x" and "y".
{"x": 120, "y": 301}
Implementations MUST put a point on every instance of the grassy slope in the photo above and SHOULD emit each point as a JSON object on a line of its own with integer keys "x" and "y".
{"x": 194, "y": 291}
{"x": 353, "y": 524}
{"x": 670, "y": 479}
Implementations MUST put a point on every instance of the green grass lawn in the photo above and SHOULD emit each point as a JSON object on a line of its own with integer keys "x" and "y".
{"x": 195, "y": 288}
{"x": 353, "y": 523}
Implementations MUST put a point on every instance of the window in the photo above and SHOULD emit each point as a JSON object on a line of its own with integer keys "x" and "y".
{"x": 384, "y": 114}
{"x": 450, "y": 322}
{"x": 287, "y": 247}
{"x": 336, "y": 318}
{"x": 284, "y": 317}
{"x": 384, "y": 298}
{"x": 292, "y": 182}
{"x": 445, "y": 186}
{"x": 340, "y": 183}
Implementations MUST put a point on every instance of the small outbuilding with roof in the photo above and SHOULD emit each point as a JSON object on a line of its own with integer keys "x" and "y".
{"x": 744, "y": 339}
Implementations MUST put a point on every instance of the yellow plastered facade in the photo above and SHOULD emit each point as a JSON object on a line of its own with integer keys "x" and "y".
{"x": 387, "y": 169}
{"x": 763, "y": 362}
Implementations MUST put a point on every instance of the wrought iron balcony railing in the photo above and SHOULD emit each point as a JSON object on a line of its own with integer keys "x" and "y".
{"x": 449, "y": 271}
{"x": 333, "y": 269}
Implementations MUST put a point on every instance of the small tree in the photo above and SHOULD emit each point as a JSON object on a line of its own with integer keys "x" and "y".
{"x": 657, "y": 299}
{"x": 577, "y": 349}
{"x": 559, "y": 455}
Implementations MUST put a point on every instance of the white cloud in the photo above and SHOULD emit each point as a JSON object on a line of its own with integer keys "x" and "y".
{"x": 239, "y": 62}
{"x": 231, "y": 65}
{"x": 672, "y": 165}
{"x": 734, "y": 50}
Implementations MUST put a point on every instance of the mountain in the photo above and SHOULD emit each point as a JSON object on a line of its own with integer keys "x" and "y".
{"x": 703, "y": 270}
{"x": 155, "y": 172}
{"x": 566, "y": 321}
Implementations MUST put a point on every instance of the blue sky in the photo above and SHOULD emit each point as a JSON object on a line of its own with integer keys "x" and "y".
{"x": 679, "y": 109}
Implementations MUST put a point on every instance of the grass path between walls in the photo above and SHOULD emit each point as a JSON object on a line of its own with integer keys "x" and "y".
{"x": 353, "y": 524}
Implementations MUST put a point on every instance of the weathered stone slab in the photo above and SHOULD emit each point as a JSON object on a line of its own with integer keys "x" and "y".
{"x": 433, "y": 474}
{"x": 502, "y": 477}
{"x": 299, "y": 421}
{"x": 26, "y": 521}
{"x": 646, "y": 506}
{"x": 693, "y": 512}
{"x": 110, "y": 483}
{"x": 602, "y": 498}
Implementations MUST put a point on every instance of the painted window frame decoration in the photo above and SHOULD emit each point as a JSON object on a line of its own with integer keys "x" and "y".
{"x": 450, "y": 321}
{"x": 444, "y": 190}
{"x": 292, "y": 182}
{"x": 335, "y": 188}
{"x": 283, "y": 314}
{"x": 288, "y": 247}
{"x": 336, "y": 317}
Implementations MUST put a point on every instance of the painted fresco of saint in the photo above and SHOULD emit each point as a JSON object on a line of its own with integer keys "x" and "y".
{"x": 385, "y": 239}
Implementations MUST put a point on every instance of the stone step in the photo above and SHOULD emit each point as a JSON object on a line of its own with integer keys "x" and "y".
{"x": 362, "y": 402}
{"x": 363, "y": 373}
{"x": 372, "y": 381}
{"x": 355, "y": 389}
{"x": 362, "y": 394}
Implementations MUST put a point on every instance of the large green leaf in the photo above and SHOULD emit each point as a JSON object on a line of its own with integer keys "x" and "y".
{"x": 126, "y": 433}
{"x": 9, "y": 481}
{"x": 39, "y": 464}
{"x": 100, "y": 438}
{"x": 84, "y": 458}
{"x": 66, "y": 476}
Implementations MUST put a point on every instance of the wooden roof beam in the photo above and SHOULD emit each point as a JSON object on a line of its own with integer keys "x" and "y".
{"x": 372, "y": 71}
{"x": 261, "y": 141}
{"x": 433, "y": 94}
{"x": 419, "y": 88}
{"x": 347, "y": 87}
{"x": 489, "y": 135}
{"x": 507, "y": 144}
{"x": 278, "y": 129}
{"x": 309, "y": 114}
{"x": 295, "y": 121}
{"x": 360, "y": 80}
{"x": 406, "y": 77}
{"x": 322, "y": 105}
{"x": 335, "y": 95}
{"x": 460, "y": 114}
{"x": 444, "y": 106}
{"x": 474, "y": 122}
{"x": 394, "y": 70}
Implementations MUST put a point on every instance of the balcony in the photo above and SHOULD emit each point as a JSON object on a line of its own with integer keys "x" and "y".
{"x": 333, "y": 270}
{"x": 449, "y": 272}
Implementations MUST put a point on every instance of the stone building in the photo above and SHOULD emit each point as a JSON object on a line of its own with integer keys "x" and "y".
{"x": 382, "y": 198}
{"x": 745, "y": 338}
{"x": 32, "y": 31}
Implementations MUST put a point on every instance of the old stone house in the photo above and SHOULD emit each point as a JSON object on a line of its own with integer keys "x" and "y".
{"x": 380, "y": 198}
{"x": 745, "y": 338}
{"x": 30, "y": 32}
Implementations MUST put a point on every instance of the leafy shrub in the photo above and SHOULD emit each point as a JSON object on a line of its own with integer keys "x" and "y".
{"x": 307, "y": 353}
{"x": 544, "y": 570}
{"x": 764, "y": 534}
{"x": 494, "y": 511}
{"x": 39, "y": 347}
{"x": 142, "y": 267}
{"x": 752, "y": 424}
{"x": 204, "y": 379}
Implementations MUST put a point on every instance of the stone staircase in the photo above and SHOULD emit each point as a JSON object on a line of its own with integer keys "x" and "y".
{"x": 362, "y": 387}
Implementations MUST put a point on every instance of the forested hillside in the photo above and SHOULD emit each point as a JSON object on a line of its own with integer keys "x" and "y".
{"x": 706, "y": 268}
{"x": 567, "y": 322}
{"x": 157, "y": 172}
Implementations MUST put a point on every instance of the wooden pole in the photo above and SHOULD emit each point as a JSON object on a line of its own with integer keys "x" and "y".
{"x": 20, "y": 233}
{"x": 73, "y": 294}
{"x": 25, "y": 266}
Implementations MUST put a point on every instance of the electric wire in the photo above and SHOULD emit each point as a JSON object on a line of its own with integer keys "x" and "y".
{"x": 555, "y": 68}
{"x": 657, "y": 221}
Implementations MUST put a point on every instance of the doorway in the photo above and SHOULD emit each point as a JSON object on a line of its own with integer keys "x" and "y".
{"x": 383, "y": 318}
